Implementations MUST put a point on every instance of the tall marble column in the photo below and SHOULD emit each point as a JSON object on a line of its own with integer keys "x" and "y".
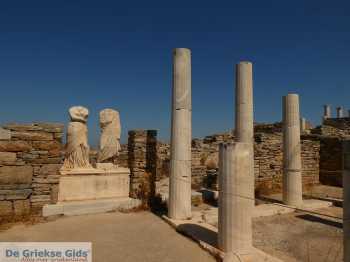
{"x": 292, "y": 178}
{"x": 180, "y": 159}
{"x": 236, "y": 198}
{"x": 244, "y": 126}
{"x": 340, "y": 112}
{"x": 346, "y": 197}
{"x": 327, "y": 112}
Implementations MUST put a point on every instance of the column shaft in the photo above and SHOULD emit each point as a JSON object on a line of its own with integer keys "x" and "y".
{"x": 244, "y": 126}
{"x": 340, "y": 112}
{"x": 236, "y": 197}
{"x": 327, "y": 112}
{"x": 181, "y": 135}
{"x": 292, "y": 178}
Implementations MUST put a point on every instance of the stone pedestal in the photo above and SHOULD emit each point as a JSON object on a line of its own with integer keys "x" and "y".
{"x": 93, "y": 184}
{"x": 181, "y": 135}
{"x": 92, "y": 190}
{"x": 346, "y": 197}
{"x": 292, "y": 179}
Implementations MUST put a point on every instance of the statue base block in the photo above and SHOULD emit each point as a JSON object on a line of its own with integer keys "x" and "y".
{"x": 75, "y": 208}
{"x": 93, "y": 184}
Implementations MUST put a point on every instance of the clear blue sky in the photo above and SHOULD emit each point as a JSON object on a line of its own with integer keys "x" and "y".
{"x": 99, "y": 54}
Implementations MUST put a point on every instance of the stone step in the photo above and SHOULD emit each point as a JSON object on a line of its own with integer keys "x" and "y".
{"x": 73, "y": 208}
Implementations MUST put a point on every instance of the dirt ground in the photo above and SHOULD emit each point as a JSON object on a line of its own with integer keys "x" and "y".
{"x": 302, "y": 236}
{"x": 145, "y": 237}
{"x": 116, "y": 237}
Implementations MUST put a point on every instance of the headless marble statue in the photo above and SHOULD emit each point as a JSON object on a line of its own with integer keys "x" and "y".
{"x": 110, "y": 136}
{"x": 77, "y": 148}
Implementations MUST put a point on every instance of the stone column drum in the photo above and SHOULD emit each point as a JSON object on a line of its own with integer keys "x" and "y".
{"x": 340, "y": 112}
{"x": 327, "y": 112}
{"x": 244, "y": 126}
{"x": 346, "y": 197}
{"x": 181, "y": 135}
{"x": 292, "y": 178}
{"x": 236, "y": 198}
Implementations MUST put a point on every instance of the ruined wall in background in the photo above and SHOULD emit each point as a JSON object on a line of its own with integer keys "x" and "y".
{"x": 268, "y": 159}
{"x": 337, "y": 127}
{"x": 30, "y": 157}
{"x": 142, "y": 161}
{"x": 331, "y": 133}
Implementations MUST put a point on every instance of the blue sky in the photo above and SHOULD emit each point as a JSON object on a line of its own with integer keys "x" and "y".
{"x": 118, "y": 54}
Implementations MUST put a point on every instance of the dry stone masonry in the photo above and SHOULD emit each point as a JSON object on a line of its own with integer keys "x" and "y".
{"x": 30, "y": 158}
{"x": 142, "y": 158}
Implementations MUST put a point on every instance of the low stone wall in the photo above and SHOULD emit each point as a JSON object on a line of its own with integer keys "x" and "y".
{"x": 30, "y": 157}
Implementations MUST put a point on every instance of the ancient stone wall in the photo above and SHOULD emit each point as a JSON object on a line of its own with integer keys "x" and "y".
{"x": 142, "y": 161}
{"x": 337, "y": 127}
{"x": 30, "y": 157}
{"x": 268, "y": 159}
{"x": 331, "y": 159}
{"x": 331, "y": 133}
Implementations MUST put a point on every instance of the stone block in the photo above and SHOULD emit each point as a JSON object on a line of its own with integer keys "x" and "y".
{"x": 45, "y": 145}
{"x": 7, "y": 157}
{"x": 45, "y": 160}
{"x": 16, "y": 174}
{"x": 5, "y": 134}
{"x": 16, "y": 194}
{"x": 22, "y": 127}
{"x": 87, "y": 186}
{"x": 35, "y": 135}
{"x": 6, "y": 208}
{"x": 51, "y": 127}
{"x": 21, "y": 207}
{"x": 15, "y": 146}
{"x": 50, "y": 169}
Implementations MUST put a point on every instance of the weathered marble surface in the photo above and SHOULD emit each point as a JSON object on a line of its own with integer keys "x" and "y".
{"x": 236, "y": 198}
{"x": 181, "y": 135}
{"x": 94, "y": 184}
{"x": 292, "y": 179}
{"x": 77, "y": 148}
{"x": 110, "y": 135}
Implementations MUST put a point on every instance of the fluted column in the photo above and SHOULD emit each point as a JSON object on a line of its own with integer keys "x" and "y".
{"x": 244, "y": 126}
{"x": 236, "y": 198}
{"x": 346, "y": 197}
{"x": 181, "y": 134}
{"x": 292, "y": 178}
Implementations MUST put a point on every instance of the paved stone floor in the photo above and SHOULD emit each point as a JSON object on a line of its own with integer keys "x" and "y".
{"x": 116, "y": 237}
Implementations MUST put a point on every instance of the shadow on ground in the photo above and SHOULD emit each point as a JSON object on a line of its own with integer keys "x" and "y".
{"x": 321, "y": 220}
{"x": 198, "y": 232}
